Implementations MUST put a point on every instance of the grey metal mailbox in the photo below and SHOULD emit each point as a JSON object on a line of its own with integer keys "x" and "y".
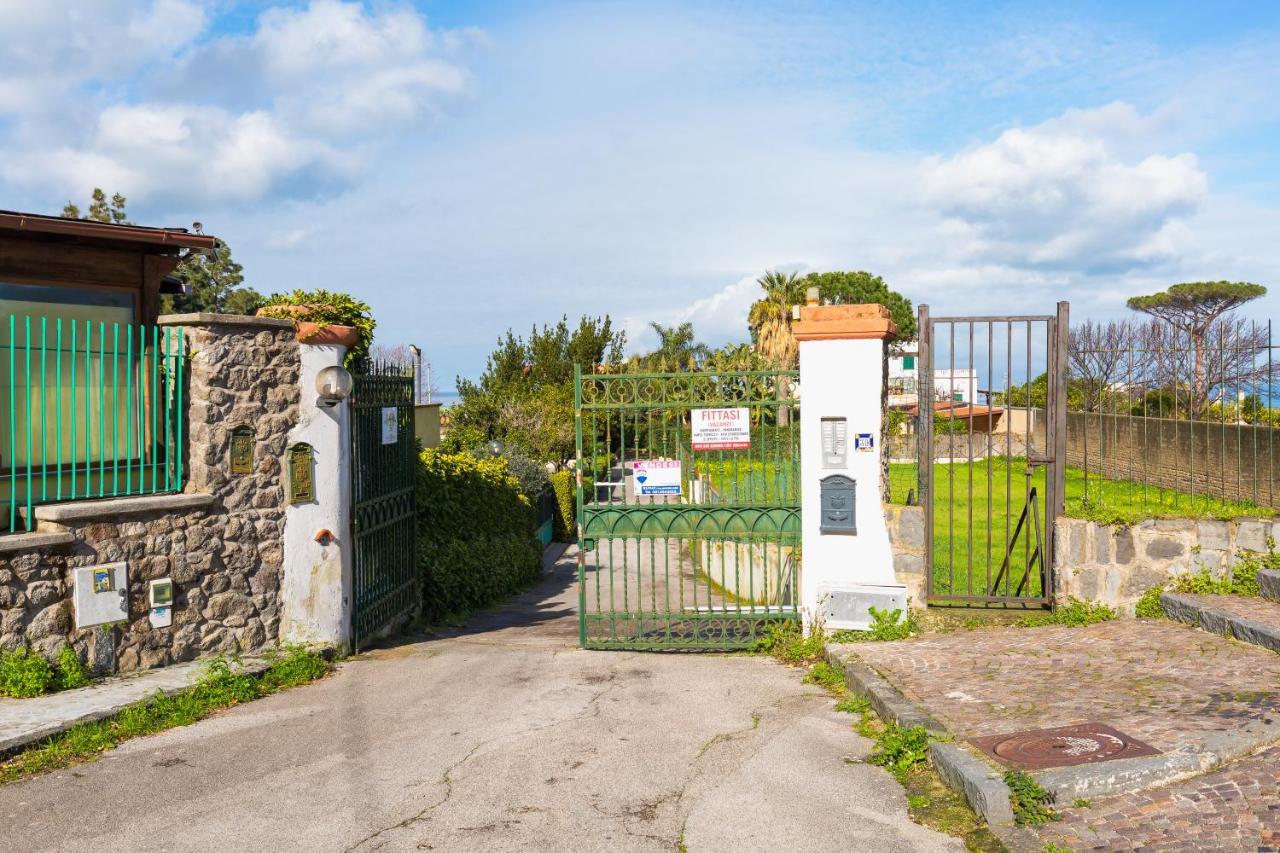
{"x": 838, "y": 504}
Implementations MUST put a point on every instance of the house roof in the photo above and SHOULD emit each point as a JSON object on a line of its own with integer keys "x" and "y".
{"x": 87, "y": 231}
{"x": 957, "y": 409}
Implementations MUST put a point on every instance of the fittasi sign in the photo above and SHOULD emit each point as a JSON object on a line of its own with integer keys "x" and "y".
{"x": 721, "y": 429}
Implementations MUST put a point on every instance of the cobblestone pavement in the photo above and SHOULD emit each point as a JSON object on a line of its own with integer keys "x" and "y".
{"x": 1259, "y": 609}
{"x": 1235, "y": 808}
{"x": 1164, "y": 683}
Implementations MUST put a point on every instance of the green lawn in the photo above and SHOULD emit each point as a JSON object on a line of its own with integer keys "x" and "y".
{"x": 977, "y": 505}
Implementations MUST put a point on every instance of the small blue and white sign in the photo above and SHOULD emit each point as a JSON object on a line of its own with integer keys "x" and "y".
{"x": 658, "y": 477}
{"x": 863, "y": 442}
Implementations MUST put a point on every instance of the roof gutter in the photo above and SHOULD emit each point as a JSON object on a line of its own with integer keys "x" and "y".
{"x": 178, "y": 238}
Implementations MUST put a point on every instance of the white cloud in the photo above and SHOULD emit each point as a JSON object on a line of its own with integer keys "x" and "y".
{"x": 142, "y": 99}
{"x": 1059, "y": 195}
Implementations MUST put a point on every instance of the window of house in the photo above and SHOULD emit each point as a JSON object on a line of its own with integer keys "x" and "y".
{"x": 908, "y": 362}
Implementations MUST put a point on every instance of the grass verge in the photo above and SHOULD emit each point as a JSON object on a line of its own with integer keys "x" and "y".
{"x": 219, "y": 687}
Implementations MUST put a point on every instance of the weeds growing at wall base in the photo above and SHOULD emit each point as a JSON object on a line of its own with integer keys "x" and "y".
{"x": 220, "y": 686}
{"x": 902, "y": 751}
{"x": 25, "y": 673}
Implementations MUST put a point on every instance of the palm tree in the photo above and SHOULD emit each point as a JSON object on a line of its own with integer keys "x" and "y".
{"x": 770, "y": 322}
{"x": 678, "y": 348}
{"x": 770, "y": 318}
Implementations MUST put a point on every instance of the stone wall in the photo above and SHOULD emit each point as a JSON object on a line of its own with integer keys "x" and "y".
{"x": 906, "y": 538}
{"x": 1115, "y": 564}
{"x": 221, "y": 542}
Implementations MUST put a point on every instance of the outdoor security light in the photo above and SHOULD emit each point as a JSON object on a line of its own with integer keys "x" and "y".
{"x": 333, "y": 385}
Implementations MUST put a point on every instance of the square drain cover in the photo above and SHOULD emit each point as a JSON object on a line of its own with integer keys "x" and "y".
{"x": 1040, "y": 749}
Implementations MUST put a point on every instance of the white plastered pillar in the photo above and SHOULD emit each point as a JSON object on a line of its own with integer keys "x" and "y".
{"x": 842, "y": 364}
{"x": 317, "y": 589}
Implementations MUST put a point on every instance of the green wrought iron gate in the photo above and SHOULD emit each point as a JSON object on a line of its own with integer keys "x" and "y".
{"x": 688, "y": 508}
{"x": 383, "y": 498}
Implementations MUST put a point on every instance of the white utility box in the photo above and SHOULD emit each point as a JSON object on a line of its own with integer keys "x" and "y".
{"x": 101, "y": 594}
{"x": 848, "y": 606}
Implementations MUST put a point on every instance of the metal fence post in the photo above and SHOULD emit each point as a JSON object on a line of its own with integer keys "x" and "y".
{"x": 924, "y": 438}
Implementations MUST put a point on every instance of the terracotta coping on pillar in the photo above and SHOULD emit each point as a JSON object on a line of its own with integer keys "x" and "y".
{"x": 843, "y": 322}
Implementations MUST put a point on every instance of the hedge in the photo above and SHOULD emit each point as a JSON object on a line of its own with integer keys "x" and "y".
{"x": 476, "y": 542}
{"x": 566, "y": 522}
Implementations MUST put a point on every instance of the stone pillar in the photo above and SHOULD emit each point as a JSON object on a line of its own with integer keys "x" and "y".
{"x": 317, "y": 594}
{"x": 228, "y": 566}
{"x": 842, "y": 384}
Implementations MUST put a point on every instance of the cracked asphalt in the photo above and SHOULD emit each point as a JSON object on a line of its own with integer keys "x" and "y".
{"x": 503, "y": 736}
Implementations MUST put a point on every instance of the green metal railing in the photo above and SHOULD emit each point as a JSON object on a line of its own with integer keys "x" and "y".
{"x": 95, "y": 410}
{"x": 713, "y": 564}
{"x": 384, "y": 510}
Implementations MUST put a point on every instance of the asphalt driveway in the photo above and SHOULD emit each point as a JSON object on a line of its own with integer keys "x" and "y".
{"x": 503, "y": 736}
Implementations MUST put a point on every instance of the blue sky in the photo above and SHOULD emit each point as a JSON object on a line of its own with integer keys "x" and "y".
{"x": 466, "y": 167}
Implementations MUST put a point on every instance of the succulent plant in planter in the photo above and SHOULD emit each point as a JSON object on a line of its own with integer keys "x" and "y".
{"x": 324, "y": 317}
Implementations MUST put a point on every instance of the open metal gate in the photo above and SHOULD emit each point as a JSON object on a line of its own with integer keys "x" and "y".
{"x": 992, "y": 449}
{"x": 383, "y": 498}
{"x": 688, "y": 508}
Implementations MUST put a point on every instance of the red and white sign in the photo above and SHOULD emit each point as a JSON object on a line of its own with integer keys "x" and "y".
{"x": 721, "y": 429}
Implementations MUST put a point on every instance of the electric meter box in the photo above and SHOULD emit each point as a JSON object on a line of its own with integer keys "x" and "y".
{"x": 161, "y": 601}
{"x": 101, "y": 594}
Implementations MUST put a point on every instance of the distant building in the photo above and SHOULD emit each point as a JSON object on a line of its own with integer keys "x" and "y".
{"x": 957, "y": 385}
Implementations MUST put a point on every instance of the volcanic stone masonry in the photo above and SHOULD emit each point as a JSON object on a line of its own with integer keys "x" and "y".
{"x": 221, "y": 541}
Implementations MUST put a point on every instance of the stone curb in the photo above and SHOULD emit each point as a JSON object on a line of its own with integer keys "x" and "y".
{"x": 1269, "y": 582}
{"x": 1188, "y": 610}
{"x": 26, "y": 721}
{"x": 981, "y": 786}
{"x": 888, "y": 703}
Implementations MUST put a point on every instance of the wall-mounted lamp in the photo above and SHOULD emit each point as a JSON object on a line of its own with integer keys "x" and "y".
{"x": 333, "y": 385}
{"x": 172, "y": 285}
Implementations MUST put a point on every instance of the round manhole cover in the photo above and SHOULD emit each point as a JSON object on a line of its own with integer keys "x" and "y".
{"x": 1062, "y": 747}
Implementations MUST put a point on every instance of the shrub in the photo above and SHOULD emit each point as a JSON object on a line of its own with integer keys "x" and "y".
{"x": 327, "y": 308}
{"x": 24, "y": 673}
{"x": 69, "y": 671}
{"x": 566, "y": 519}
{"x": 476, "y": 540}
{"x": 531, "y": 474}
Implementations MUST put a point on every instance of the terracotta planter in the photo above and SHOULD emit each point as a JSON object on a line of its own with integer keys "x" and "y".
{"x": 326, "y": 333}
{"x": 314, "y": 333}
